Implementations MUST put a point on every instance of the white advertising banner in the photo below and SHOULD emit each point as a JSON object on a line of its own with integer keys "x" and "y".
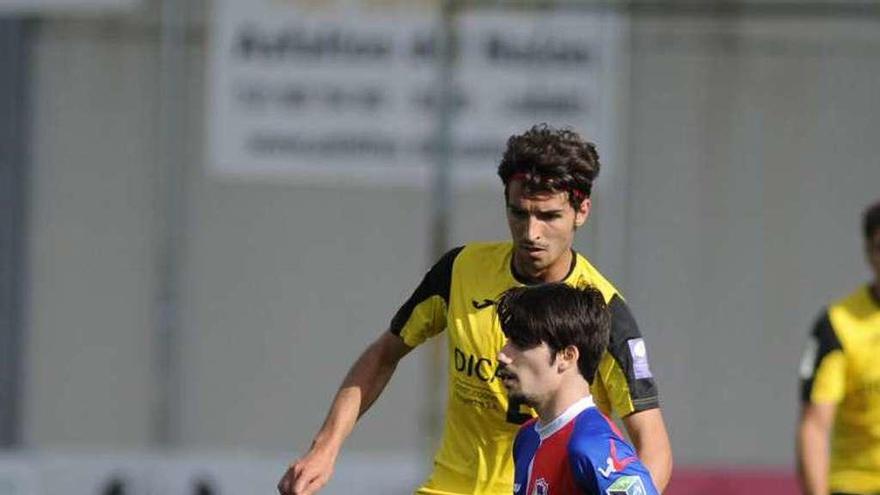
{"x": 348, "y": 95}
{"x": 64, "y": 6}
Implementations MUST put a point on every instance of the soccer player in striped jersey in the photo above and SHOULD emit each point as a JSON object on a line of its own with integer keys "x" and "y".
{"x": 556, "y": 336}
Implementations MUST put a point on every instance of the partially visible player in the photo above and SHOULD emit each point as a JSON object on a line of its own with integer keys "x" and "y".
{"x": 838, "y": 437}
{"x": 556, "y": 336}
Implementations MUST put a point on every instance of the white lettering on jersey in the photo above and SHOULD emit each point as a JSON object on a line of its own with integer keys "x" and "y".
{"x": 607, "y": 471}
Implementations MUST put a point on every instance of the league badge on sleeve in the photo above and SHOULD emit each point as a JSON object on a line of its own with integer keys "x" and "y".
{"x": 627, "y": 485}
{"x": 640, "y": 358}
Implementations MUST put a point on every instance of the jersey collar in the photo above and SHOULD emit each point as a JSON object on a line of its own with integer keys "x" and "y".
{"x": 573, "y": 410}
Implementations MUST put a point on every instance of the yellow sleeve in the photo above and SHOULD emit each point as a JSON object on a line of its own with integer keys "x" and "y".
{"x": 427, "y": 319}
{"x": 829, "y": 381}
{"x": 423, "y": 315}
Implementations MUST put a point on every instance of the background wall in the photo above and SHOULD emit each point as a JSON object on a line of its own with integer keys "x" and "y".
{"x": 751, "y": 162}
{"x": 747, "y": 155}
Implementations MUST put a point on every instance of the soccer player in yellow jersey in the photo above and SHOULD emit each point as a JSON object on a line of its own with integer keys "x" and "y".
{"x": 839, "y": 431}
{"x": 547, "y": 176}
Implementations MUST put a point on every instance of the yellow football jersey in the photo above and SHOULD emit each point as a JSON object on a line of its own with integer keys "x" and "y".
{"x": 458, "y": 294}
{"x": 840, "y": 366}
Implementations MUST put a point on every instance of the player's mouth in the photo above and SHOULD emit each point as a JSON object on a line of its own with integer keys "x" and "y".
{"x": 532, "y": 250}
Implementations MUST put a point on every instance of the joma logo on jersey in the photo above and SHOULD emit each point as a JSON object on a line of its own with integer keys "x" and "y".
{"x": 471, "y": 365}
{"x": 485, "y": 303}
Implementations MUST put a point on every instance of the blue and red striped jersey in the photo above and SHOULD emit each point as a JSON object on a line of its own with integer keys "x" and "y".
{"x": 580, "y": 452}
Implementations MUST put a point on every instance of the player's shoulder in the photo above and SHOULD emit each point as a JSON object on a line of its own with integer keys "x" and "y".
{"x": 822, "y": 328}
{"x": 525, "y": 436}
{"x": 470, "y": 257}
{"x": 527, "y": 428}
{"x": 487, "y": 248}
{"x": 856, "y": 300}
{"x": 442, "y": 267}
{"x": 483, "y": 260}
{"x": 587, "y": 274}
{"x": 597, "y": 436}
{"x": 602, "y": 456}
{"x": 592, "y": 434}
{"x": 841, "y": 323}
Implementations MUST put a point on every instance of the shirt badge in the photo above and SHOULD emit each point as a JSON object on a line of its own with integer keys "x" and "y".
{"x": 627, "y": 485}
{"x": 541, "y": 487}
{"x": 640, "y": 358}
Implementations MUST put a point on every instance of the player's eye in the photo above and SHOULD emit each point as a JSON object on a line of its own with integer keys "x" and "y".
{"x": 519, "y": 214}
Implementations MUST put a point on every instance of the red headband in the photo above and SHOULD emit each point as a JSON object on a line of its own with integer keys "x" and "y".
{"x": 577, "y": 194}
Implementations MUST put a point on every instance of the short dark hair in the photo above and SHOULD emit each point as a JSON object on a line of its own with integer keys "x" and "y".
{"x": 871, "y": 220}
{"x": 547, "y": 159}
{"x": 559, "y": 315}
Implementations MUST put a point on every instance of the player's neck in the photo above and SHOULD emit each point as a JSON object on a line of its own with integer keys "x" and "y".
{"x": 559, "y": 402}
{"x": 561, "y": 268}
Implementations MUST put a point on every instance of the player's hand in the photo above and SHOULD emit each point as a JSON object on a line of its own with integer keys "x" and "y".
{"x": 308, "y": 474}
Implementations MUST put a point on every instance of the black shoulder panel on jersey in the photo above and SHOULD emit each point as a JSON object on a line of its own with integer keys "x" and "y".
{"x": 826, "y": 341}
{"x": 436, "y": 283}
{"x": 642, "y": 390}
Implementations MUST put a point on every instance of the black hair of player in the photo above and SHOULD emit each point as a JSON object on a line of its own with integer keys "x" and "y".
{"x": 551, "y": 160}
{"x": 871, "y": 221}
{"x": 559, "y": 315}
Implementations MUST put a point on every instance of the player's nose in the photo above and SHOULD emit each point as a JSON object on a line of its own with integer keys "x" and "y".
{"x": 503, "y": 356}
{"x": 533, "y": 229}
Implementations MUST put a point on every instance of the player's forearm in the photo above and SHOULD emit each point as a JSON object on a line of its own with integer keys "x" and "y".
{"x": 658, "y": 460}
{"x": 813, "y": 458}
{"x": 340, "y": 420}
{"x": 362, "y": 386}
{"x": 647, "y": 430}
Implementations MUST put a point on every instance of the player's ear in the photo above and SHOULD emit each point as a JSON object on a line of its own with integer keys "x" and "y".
{"x": 568, "y": 358}
{"x": 582, "y": 212}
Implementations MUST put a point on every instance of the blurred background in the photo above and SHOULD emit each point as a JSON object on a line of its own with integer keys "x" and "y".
{"x": 209, "y": 208}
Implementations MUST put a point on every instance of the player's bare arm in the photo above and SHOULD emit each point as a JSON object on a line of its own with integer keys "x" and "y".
{"x": 648, "y": 433}
{"x": 362, "y": 386}
{"x": 813, "y": 437}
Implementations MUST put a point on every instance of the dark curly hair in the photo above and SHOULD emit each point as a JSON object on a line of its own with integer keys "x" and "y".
{"x": 559, "y": 315}
{"x": 547, "y": 159}
{"x": 871, "y": 220}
